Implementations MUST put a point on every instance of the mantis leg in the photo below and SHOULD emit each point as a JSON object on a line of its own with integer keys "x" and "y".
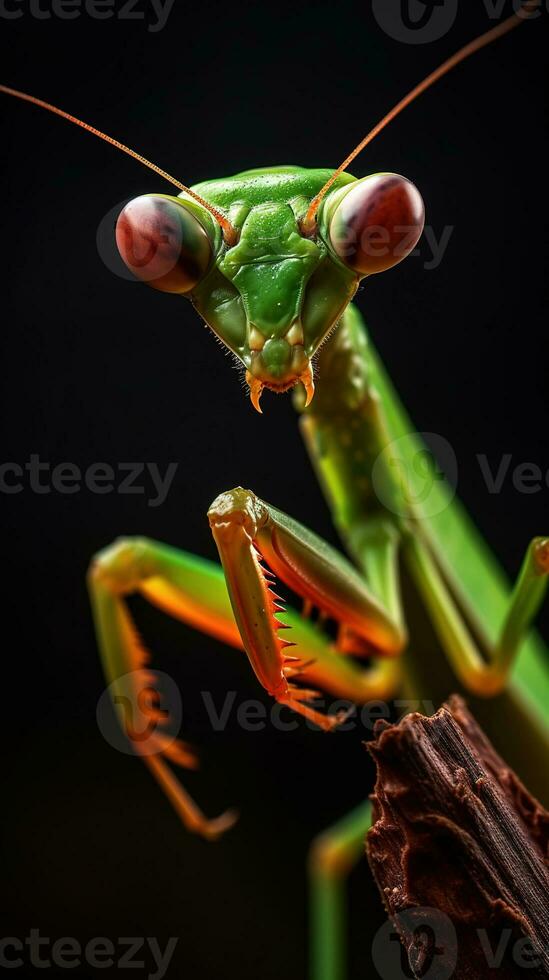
{"x": 194, "y": 590}
{"x": 334, "y": 853}
{"x": 355, "y": 415}
{"x": 332, "y": 856}
{"x": 246, "y": 529}
{"x": 185, "y": 587}
{"x": 369, "y": 607}
{"x": 482, "y": 675}
{"x": 345, "y": 432}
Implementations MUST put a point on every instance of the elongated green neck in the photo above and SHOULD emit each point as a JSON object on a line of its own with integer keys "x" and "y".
{"x": 344, "y": 431}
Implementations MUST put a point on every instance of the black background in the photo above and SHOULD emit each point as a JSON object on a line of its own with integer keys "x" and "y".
{"x": 100, "y": 369}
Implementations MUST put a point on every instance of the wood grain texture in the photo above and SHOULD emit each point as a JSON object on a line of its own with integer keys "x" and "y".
{"x": 459, "y": 850}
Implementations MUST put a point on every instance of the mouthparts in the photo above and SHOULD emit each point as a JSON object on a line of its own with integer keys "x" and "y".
{"x": 256, "y": 387}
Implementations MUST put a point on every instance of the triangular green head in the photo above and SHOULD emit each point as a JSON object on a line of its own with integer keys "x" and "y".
{"x": 275, "y": 292}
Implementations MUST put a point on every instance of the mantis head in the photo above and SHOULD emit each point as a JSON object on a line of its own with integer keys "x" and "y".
{"x": 271, "y": 258}
{"x": 272, "y": 292}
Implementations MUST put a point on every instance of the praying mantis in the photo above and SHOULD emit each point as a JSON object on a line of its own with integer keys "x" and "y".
{"x": 271, "y": 259}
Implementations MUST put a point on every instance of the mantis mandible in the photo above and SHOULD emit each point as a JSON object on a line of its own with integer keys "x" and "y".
{"x": 271, "y": 260}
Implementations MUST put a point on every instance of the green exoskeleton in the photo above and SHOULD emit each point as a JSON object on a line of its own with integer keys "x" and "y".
{"x": 271, "y": 260}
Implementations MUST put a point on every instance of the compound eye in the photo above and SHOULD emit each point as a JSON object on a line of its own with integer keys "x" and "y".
{"x": 378, "y": 223}
{"x": 162, "y": 243}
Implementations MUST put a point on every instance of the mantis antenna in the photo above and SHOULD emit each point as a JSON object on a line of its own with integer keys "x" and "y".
{"x": 527, "y": 8}
{"x": 523, "y": 13}
{"x": 229, "y": 232}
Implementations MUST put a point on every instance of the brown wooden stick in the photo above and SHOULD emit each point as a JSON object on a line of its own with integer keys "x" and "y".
{"x": 457, "y": 836}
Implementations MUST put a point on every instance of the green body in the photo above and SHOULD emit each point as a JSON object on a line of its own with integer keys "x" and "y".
{"x": 356, "y": 413}
{"x": 274, "y": 298}
{"x": 274, "y": 277}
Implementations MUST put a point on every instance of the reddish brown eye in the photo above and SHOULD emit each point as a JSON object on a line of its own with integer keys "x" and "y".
{"x": 162, "y": 243}
{"x": 378, "y": 223}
